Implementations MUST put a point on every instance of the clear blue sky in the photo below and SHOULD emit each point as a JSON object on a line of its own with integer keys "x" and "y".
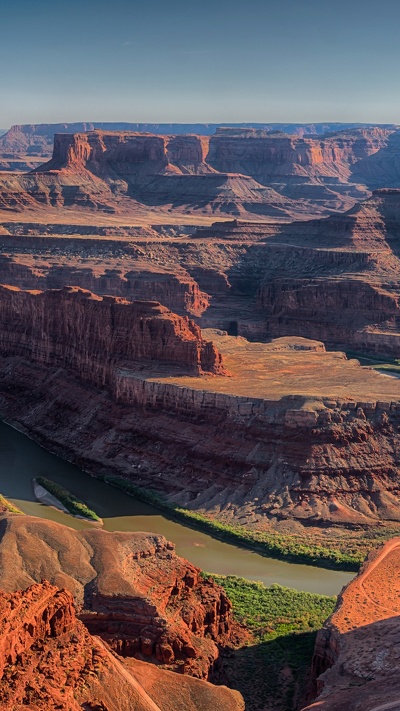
{"x": 199, "y": 60}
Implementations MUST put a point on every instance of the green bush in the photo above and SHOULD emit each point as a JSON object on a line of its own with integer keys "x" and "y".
{"x": 271, "y": 671}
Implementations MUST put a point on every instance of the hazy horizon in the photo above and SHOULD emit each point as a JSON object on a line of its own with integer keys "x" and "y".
{"x": 185, "y": 62}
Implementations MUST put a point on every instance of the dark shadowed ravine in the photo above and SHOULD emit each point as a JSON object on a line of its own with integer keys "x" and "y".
{"x": 21, "y": 460}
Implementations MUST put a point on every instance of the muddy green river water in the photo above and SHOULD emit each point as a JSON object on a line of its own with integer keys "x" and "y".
{"x": 21, "y": 460}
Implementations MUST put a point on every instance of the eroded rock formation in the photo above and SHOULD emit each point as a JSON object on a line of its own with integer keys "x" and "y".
{"x": 37, "y": 139}
{"x": 237, "y": 171}
{"x": 48, "y": 661}
{"x": 91, "y": 335}
{"x": 131, "y": 589}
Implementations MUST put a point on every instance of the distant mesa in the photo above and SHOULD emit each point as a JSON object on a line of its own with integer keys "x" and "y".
{"x": 240, "y": 171}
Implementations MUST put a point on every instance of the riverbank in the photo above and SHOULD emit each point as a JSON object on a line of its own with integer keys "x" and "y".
{"x": 340, "y": 553}
{"x": 292, "y": 548}
{"x": 6, "y": 505}
{"x": 22, "y": 458}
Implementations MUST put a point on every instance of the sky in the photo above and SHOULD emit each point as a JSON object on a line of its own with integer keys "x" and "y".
{"x": 206, "y": 61}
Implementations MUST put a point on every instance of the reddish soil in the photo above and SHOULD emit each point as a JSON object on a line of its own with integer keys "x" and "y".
{"x": 356, "y": 661}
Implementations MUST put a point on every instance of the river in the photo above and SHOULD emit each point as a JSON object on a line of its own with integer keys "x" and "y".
{"x": 21, "y": 459}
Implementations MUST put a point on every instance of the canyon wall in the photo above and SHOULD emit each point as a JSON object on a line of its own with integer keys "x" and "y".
{"x": 74, "y": 364}
{"x": 232, "y": 446}
{"x": 88, "y": 334}
{"x": 275, "y": 156}
{"x": 350, "y": 313}
{"x": 356, "y": 660}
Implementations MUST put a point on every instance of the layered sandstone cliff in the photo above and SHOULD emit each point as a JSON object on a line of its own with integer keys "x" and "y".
{"x": 266, "y": 444}
{"x": 277, "y": 156}
{"x": 343, "y": 286}
{"x": 356, "y": 659}
{"x": 131, "y": 589}
{"x": 49, "y": 661}
{"x": 91, "y": 335}
{"x": 33, "y": 139}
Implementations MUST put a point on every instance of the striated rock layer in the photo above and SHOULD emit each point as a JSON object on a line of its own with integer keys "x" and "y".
{"x": 35, "y": 139}
{"x": 237, "y": 171}
{"x": 356, "y": 660}
{"x": 335, "y": 279}
{"x": 295, "y": 432}
{"x": 49, "y": 661}
{"x": 131, "y": 589}
{"x": 90, "y": 335}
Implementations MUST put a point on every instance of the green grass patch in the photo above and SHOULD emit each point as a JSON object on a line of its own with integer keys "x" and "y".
{"x": 9, "y": 506}
{"x": 274, "y": 611}
{"x": 293, "y": 548}
{"x": 392, "y": 365}
{"x": 71, "y": 503}
{"x": 273, "y": 669}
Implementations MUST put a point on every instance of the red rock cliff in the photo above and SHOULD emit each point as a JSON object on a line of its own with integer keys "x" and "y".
{"x": 266, "y": 156}
{"x": 127, "y": 152}
{"x": 91, "y": 335}
{"x": 356, "y": 659}
{"x": 48, "y": 662}
{"x": 131, "y": 589}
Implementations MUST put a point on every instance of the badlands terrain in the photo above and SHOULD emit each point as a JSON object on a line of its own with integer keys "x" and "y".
{"x": 187, "y": 316}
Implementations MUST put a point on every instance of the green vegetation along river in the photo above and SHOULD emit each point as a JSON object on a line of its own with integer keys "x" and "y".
{"x": 21, "y": 460}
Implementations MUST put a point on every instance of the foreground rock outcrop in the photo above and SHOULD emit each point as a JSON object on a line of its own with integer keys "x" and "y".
{"x": 131, "y": 589}
{"x": 356, "y": 661}
{"x": 49, "y": 661}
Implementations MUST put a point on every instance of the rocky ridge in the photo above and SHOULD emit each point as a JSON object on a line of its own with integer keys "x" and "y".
{"x": 130, "y": 589}
{"x": 356, "y": 659}
{"x": 49, "y": 661}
